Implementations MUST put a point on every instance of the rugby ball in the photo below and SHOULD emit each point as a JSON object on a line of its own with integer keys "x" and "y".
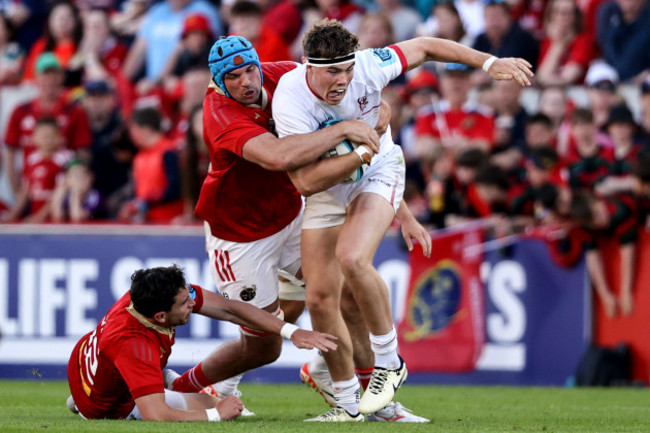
{"x": 343, "y": 148}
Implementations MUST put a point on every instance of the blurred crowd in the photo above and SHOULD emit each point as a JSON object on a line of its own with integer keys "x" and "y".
{"x": 114, "y": 131}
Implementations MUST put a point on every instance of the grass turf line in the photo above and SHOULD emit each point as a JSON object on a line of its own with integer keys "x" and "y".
{"x": 30, "y": 406}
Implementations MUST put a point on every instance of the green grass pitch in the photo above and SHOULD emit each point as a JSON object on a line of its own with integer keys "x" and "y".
{"x": 39, "y": 406}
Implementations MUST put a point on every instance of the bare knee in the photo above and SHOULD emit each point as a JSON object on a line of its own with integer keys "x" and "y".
{"x": 352, "y": 262}
{"x": 262, "y": 350}
{"x": 321, "y": 301}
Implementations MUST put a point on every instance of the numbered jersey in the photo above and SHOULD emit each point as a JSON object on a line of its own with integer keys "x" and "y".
{"x": 121, "y": 360}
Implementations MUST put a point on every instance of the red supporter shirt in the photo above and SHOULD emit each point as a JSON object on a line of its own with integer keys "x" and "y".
{"x": 42, "y": 174}
{"x": 70, "y": 117}
{"x": 242, "y": 201}
{"x": 121, "y": 360}
{"x": 468, "y": 122}
{"x": 581, "y": 51}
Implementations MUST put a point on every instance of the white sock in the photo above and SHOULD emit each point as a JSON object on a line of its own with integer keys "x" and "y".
{"x": 317, "y": 364}
{"x": 228, "y": 386}
{"x": 385, "y": 349}
{"x": 347, "y": 393}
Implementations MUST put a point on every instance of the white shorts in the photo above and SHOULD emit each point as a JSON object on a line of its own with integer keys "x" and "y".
{"x": 248, "y": 271}
{"x": 384, "y": 177}
{"x": 173, "y": 399}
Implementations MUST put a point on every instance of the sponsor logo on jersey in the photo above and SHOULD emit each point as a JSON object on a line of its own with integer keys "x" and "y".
{"x": 384, "y": 56}
{"x": 248, "y": 293}
{"x": 192, "y": 292}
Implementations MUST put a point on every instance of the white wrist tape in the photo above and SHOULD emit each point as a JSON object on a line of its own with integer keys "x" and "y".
{"x": 488, "y": 63}
{"x": 362, "y": 150}
{"x": 287, "y": 330}
{"x": 213, "y": 414}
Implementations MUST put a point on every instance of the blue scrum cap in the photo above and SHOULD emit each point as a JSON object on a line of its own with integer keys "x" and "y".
{"x": 228, "y": 54}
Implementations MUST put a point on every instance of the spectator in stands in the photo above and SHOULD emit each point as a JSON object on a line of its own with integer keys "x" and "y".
{"x": 11, "y": 55}
{"x": 505, "y": 99}
{"x": 50, "y": 101}
{"x": 194, "y": 85}
{"x": 622, "y": 130}
{"x": 403, "y": 18}
{"x": 126, "y": 21}
{"x": 43, "y": 168}
{"x": 566, "y": 50}
{"x": 446, "y": 189}
{"x": 455, "y": 123}
{"x": 539, "y": 132}
{"x": 74, "y": 199}
{"x": 283, "y": 17}
{"x": 375, "y": 31}
{"x": 503, "y": 37}
{"x": 645, "y": 111}
{"x": 624, "y": 36}
{"x": 346, "y": 11}
{"x": 591, "y": 165}
{"x": 602, "y": 83}
{"x": 195, "y": 164}
{"x": 611, "y": 217}
{"x": 62, "y": 37}
{"x": 192, "y": 51}
{"x": 246, "y": 20}
{"x": 485, "y": 196}
{"x": 159, "y": 35}
{"x": 445, "y": 22}
{"x": 111, "y": 173}
{"x": 542, "y": 166}
{"x": 554, "y": 104}
{"x": 156, "y": 171}
{"x": 101, "y": 53}
{"x": 28, "y": 19}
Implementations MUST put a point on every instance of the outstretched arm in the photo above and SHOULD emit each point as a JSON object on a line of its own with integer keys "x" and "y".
{"x": 424, "y": 49}
{"x": 240, "y": 313}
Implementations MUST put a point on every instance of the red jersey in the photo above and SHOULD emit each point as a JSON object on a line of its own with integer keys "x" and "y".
{"x": 70, "y": 117}
{"x": 242, "y": 201}
{"x": 42, "y": 174}
{"x": 469, "y": 122}
{"x": 581, "y": 51}
{"x": 121, "y": 360}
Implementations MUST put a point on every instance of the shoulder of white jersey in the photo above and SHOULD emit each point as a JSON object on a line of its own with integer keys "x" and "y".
{"x": 384, "y": 57}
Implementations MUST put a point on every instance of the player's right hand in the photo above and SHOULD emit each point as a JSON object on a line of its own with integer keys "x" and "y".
{"x": 229, "y": 407}
{"x": 362, "y": 133}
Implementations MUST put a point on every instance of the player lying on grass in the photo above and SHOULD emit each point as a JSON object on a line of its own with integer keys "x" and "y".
{"x": 116, "y": 371}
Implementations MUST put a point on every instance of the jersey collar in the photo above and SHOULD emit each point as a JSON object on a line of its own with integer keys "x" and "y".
{"x": 142, "y": 319}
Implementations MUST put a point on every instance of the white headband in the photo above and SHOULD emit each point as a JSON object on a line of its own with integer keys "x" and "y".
{"x": 324, "y": 63}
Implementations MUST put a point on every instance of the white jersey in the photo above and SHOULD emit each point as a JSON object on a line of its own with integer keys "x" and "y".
{"x": 297, "y": 110}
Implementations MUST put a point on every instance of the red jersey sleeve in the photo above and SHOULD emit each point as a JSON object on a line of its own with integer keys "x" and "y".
{"x": 227, "y": 126}
{"x": 138, "y": 361}
{"x": 196, "y": 293}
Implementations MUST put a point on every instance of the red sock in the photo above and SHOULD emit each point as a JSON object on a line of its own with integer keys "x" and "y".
{"x": 193, "y": 380}
{"x": 363, "y": 374}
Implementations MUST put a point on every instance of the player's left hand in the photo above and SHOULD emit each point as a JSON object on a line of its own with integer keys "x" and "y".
{"x": 304, "y": 339}
{"x": 412, "y": 229}
{"x": 511, "y": 68}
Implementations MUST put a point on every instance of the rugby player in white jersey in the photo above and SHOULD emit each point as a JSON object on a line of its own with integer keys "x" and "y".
{"x": 343, "y": 224}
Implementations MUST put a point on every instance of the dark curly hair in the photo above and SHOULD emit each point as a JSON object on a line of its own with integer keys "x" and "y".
{"x": 153, "y": 290}
{"x": 329, "y": 39}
